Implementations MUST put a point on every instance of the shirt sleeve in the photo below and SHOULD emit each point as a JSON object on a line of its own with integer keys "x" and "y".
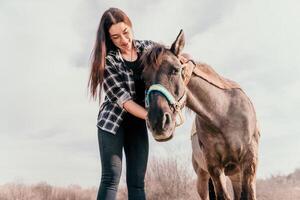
{"x": 114, "y": 86}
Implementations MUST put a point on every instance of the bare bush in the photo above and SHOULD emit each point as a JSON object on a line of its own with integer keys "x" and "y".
{"x": 165, "y": 180}
{"x": 44, "y": 191}
{"x": 280, "y": 187}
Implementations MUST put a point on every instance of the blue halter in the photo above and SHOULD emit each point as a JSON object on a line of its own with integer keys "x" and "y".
{"x": 159, "y": 88}
{"x": 177, "y": 105}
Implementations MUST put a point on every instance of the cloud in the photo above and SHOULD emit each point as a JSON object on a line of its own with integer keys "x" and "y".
{"x": 48, "y": 125}
{"x": 159, "y": 21}
{"x": 253, "y": 46}
{"x": 43, "y": 95}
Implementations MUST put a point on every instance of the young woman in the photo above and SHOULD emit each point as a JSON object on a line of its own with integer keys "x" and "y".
{"x": 121, "y": 120}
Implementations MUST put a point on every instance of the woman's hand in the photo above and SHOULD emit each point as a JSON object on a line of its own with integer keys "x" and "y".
{"x": 188, "y": 66}
{"x": 184, "y": 58}
{"x": 135, "y": 109}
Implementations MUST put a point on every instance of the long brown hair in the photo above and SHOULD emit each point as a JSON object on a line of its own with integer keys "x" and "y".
{"x": 103, "y": 45}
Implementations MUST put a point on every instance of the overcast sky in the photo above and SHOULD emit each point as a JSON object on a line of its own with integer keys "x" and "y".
{"x": 48, "y": 123}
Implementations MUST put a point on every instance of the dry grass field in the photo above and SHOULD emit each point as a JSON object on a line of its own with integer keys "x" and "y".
{"x": 166, "y": 180}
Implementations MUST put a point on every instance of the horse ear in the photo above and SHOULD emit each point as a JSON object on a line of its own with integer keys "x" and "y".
{"x": 178, "y": 44}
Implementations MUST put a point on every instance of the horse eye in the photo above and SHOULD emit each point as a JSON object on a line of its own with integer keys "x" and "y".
{"x": 174, "y": 71}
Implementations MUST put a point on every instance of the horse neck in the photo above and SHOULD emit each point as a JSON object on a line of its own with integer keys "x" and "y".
{"x": 206, "y": 100}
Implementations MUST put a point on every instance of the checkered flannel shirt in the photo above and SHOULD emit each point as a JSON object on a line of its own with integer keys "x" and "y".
{"x": 118, "y": 85}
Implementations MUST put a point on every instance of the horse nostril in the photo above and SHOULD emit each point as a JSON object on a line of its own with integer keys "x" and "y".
{"x": 167, "y": 119}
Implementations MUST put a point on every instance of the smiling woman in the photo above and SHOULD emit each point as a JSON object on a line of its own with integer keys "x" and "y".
{"x": 121, "y": 36}
{"x": 121, "y": 119}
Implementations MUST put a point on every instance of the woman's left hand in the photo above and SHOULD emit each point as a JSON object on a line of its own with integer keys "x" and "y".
{"x": 188, "y": 66}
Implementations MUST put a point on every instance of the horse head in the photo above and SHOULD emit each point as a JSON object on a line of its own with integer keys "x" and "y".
{"x": 166, "y": 94}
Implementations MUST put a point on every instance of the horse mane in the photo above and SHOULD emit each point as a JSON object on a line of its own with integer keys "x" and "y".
{"x": 153, "y": 57}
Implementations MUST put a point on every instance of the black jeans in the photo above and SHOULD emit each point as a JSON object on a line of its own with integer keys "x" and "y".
{"x": 132, "y": 136}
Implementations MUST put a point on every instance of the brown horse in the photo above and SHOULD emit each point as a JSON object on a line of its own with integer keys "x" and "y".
{"x": 226, "y": 143}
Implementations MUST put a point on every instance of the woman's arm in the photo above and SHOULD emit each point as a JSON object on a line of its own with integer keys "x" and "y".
{"x": 135, "y": 109}
{"x": 114, "y": 85}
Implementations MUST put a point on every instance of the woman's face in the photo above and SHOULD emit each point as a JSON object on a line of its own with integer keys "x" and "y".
{"x": 121, "y": 36}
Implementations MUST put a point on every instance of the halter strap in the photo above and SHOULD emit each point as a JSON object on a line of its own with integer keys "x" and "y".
{"x": 159, "y": 88}
{"x": 177, "y": 105}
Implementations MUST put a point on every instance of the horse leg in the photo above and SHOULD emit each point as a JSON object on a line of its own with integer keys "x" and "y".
{"x": 249, "y": 182}
{"x": 219, "y": 181}
{"x": 202, "y": 180}
{"x": 211, "y": 190}
{"x": 202, "y": 184}
{"x": 236, "y": 182}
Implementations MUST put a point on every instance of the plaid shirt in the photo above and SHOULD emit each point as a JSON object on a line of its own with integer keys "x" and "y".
{"x": 118, "y": 85}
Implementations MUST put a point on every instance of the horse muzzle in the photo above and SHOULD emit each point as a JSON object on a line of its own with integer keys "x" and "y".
{"x": 162, "y": 137}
